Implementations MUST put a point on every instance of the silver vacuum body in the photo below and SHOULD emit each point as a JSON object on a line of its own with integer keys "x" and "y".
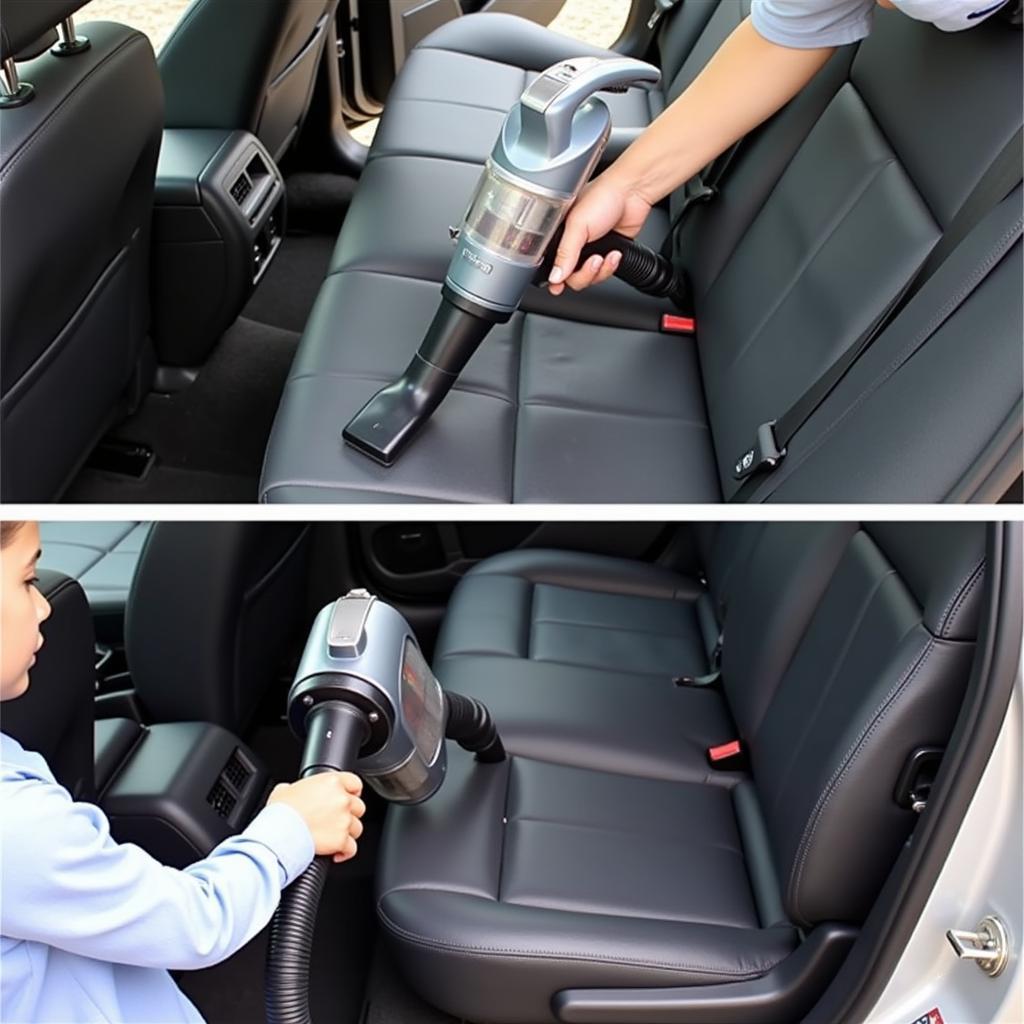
{"x": 361, "y": 651}
{"x": 547, "y": 149}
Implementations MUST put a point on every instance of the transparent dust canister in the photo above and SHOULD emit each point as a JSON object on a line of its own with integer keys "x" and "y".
{"x": 511, "y": 222}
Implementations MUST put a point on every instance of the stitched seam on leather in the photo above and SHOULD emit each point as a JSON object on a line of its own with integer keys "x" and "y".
{"x": 520, "y": 345}
{"x": 949, "y": 613}
{"x": 373, "y": 378}
{"x": 605, "y": 628}
{"x": 634, "y": 415}
{"x": 582, "y": 585}
{"x": 692, "y": 839}
{"x": 529, "y": 620}
{"x": 514, "y": 952}
{"x": 504, "y": 829}
{"x": 66, "y": 101}
{"x": 845, "y": 765}
{"x": 995, "y": 255}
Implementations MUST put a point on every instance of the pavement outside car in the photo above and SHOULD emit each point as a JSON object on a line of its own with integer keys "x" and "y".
{"x": 598, "y": 22}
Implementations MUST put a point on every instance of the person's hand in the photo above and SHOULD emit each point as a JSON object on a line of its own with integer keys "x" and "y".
{"x": 330, "y": 804}
{"x": 602, "y": 206}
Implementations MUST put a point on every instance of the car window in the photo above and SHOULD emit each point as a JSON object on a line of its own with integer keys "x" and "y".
{"x": 154, "y": 18}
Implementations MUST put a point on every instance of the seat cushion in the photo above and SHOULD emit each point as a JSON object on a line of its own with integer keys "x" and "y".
{"x": 543, "y": 404}
{"x": 576, "y": 655}
{"x": 549, "y": 887}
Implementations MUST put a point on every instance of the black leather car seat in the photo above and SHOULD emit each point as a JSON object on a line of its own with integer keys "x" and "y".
{"x": 825, "y": 212}
{"x": 77, "y": 166}
{"x": 212, "y": 611}
{"x": 527, "y": 887}
{"x": 248, "y": 64}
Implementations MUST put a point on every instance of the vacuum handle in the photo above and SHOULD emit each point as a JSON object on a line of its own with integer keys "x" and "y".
{"x": 335, "y": 733}
{"x": 641, "y": 267}
{"x": 547, "y": 107}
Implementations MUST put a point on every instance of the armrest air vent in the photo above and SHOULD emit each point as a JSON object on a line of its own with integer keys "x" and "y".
{"x": 221, "y": 799}
{"x": 241, "y": 188}
{"x": 230, "y": 785}
{"x": 236, "y": 772}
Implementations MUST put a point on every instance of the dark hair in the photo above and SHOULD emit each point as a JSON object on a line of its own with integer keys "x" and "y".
{"x": 8, "y": 528}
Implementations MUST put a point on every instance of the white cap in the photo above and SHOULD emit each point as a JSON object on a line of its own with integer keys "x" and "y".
{"x": 950, "y": 15}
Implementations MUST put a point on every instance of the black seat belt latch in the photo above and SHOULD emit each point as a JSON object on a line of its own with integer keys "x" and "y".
{"x": 707, "y": 680}
{"x": 915, "y": 781}
{"x": 765, "y": 454}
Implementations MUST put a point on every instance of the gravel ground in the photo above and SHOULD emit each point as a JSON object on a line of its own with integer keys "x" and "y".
{"x": 594, "y": 21}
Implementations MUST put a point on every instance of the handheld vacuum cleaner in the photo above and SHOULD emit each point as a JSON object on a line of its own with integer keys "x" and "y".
{"x": 549, "y": 144}
{"x": 363, "y": 700}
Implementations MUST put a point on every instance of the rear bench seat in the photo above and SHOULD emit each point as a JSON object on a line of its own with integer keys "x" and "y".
{"x": 606, "y": 852}
{"x": 824, "y": 214}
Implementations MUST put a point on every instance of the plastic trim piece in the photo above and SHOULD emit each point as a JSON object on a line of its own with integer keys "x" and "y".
{"x": 785, "y": 993}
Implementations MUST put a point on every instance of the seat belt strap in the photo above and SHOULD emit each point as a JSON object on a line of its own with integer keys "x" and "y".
{"x": 773, "y": 437}
{"x": 701, "y": 188}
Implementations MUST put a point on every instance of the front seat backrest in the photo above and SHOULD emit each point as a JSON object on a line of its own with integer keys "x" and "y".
{"x": 212, "y": 610}
{"x": 247, "y": 64}
{"x": 77, "y": 168}
{"x": 54, "y": 717}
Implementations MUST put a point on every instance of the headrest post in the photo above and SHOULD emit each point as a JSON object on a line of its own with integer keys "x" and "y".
{"x": 69, "y": 43}
{"x": 13, "y": 92}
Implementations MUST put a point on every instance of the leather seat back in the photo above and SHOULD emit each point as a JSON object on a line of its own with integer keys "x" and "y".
{"x": 212, "y": 610}
{"x": 816, "y": 257}
{"x": 879, "y": 672}
{"x": 77, "y": 167}
{"x": 246, "y": 64}
{"x": 54, "y": 717}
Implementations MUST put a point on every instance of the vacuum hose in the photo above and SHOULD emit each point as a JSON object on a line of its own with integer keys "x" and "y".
{"x": 644, "y": 269}
{"x": 335, "y": 733}
{"x": 471, "y": 726}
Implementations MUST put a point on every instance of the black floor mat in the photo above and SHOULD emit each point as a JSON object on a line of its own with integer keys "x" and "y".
{"x": 290, "y": 285}
{"x": 209, "y": 438}
{"x": 390, "y": 1000}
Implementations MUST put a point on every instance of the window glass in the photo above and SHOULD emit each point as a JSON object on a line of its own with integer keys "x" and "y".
{"x": 154, "y": 18}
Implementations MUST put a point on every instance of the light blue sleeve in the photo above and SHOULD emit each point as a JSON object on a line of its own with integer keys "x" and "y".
{"x": 806, "y": 24}
{"x": 64, "y": 881}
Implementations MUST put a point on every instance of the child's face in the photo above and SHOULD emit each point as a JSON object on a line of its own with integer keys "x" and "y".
{"x": 22, "y": 609}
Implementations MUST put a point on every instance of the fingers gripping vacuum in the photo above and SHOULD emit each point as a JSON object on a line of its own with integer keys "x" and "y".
{"x": 549, "y": 144}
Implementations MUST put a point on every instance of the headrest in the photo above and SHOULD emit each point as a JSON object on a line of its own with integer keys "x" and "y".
{"x": 23, "y": 22}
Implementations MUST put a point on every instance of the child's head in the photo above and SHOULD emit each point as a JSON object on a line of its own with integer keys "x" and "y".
{"x": 22, "y": 607}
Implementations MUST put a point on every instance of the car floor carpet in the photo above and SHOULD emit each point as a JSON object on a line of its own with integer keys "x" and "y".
{"x": 390, "y": 1000}
{"x": 286, "y": 294}
{"x": 209, "y": 438}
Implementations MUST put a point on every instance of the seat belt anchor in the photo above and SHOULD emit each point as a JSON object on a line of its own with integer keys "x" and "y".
{"x": 661, "y": 8}
{"x": 765, "y": 454}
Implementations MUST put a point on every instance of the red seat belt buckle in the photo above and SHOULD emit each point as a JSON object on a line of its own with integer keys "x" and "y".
{"x": 724, "y": 751}
{"x": 672, "y": 324}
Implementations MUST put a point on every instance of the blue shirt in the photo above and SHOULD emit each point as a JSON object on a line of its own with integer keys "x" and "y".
{"x": 812, "y": 23}
{"x": 89, "y": 927}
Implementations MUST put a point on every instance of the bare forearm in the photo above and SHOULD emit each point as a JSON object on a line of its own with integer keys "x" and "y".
{"x": 746, "y": 81}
